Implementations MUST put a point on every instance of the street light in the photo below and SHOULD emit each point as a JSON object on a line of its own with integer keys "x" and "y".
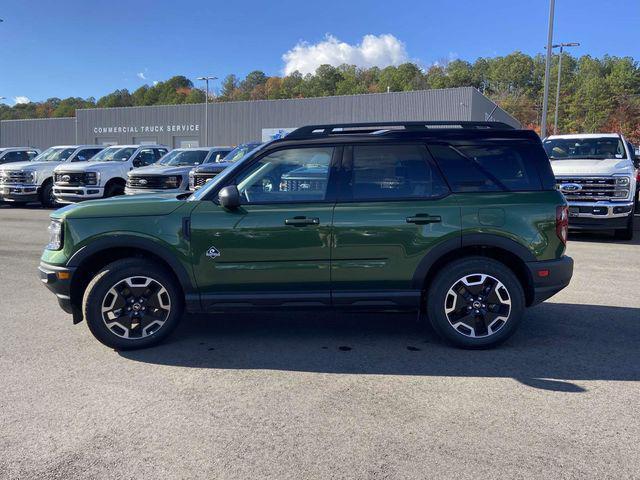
{"x": 562, "y": 47}
{"x": 547, "y": 68}
{"x": 206, "y": 108}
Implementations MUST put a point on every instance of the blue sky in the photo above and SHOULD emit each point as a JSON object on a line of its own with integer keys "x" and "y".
{"x": 89, "y": 48}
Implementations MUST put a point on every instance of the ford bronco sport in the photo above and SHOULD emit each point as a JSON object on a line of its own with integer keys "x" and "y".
{"x": 459, "y": 221}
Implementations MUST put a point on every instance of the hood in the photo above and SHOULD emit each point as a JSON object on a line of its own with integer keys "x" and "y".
{"x": 589, "y": 166}
{"x": 29, "y": 166}
{"x": 126, "y": 205}
{"x": 162, "y": 170}
{"x": 216, "y": 167}
{"x": 91, "y": 166}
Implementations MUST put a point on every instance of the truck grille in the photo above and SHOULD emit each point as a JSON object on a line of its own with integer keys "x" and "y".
{"x": 14, "y": 177}
{"x": 296, "y": 185}
{"x": 71, "y": 179}
{"x": 200, "y": 179}
{"x": 148, "y": 181}
{"x": 589, "y": 189}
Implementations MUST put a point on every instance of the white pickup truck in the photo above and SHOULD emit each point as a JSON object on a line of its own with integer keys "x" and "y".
{"x": 105, "y": 175}
{"x": 32, "y": 181}
{"x": 597, "y": 173}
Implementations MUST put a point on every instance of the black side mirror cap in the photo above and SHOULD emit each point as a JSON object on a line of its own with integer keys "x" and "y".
{"x": 229, "y": 197}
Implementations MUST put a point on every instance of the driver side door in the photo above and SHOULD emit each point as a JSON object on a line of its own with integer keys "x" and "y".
{"x": 274, "y": 250}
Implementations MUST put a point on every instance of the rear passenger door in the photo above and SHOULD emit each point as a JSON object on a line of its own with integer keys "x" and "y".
{"x": 393, "y": 208}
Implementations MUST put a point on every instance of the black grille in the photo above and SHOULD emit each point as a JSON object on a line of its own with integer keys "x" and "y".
{"x": 199, "y": 179}
{"x": 148, "y": 181}
{"x": 303, "y": 185}
{"x": 71, "y": 179}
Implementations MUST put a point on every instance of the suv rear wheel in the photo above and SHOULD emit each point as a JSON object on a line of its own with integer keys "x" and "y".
{"x": 475, "y": 302}
{"x": 132, "y": 303}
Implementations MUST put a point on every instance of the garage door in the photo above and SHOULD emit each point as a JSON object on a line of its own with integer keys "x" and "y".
{"x": 186, "y": 142}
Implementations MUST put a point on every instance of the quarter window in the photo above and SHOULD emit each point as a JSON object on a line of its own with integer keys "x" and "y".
{"x": 287, "y": 176}
{"x": 482, "y": 168}
{"x": 394, "y": 172}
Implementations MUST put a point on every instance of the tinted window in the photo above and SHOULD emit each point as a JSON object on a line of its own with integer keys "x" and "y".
{"x": 490, "y": 167}
{"x": 19, "y": 156}
{"x": 86, "y": 154}
{"x": 145, "y": 157}
{"x": 285, "y": 176}
{"x": 394, "y": 172}
{"x": 31, "y": 154}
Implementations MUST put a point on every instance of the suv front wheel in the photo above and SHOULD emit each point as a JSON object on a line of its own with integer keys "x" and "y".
{"x": 475, "y": 302}
{"x": 132, "y": 303}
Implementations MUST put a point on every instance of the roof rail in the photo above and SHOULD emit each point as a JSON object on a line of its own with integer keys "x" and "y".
{"x": 367, "y": 127}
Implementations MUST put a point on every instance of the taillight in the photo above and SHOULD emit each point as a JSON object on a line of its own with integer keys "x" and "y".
{"x": 562, "y": 223}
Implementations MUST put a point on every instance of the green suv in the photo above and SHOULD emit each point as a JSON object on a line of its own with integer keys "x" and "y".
{"x": 458, "y": 221}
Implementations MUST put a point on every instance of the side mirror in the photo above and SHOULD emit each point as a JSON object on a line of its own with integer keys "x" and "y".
{"x": 229, "y": 197}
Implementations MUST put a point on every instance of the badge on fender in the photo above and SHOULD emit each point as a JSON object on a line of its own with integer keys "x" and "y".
{"x": 213, "y": 252}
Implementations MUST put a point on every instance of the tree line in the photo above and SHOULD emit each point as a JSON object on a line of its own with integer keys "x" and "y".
{"x": 597, "y": 94}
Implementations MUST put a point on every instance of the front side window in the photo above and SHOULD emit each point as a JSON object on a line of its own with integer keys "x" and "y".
{"x": 287, "y": 176}
{"x": 488, "y": 168}
{"x": 145, "y": 157}
{"x": 394, "y": 172}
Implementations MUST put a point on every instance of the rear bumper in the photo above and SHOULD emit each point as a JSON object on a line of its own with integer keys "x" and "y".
{"x": 58, "y": 280}
{"x": 549, "y": 277}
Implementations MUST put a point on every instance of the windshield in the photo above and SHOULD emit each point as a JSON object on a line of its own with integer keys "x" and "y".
{"x": 239, "y": 152}
{"x": 178, "y": 158}
{"x": 113, "y": 154}
{"x": 54, "y": 154}
{"x": 581, "y": 148}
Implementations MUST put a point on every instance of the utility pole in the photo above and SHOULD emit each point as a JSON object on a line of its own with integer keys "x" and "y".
{"x": 561, "y": 46}
{"x": 1, "y": 98}
{"x": 206, "y": 108}
{"x": 547, "y": 68}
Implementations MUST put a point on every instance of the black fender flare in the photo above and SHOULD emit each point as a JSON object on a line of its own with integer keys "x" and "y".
{"x": 133, "y": 241}
{"x": 469, "y": 240}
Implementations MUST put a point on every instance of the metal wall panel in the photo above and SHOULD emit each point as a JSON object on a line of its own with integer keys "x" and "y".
{"x": 230, "y": 123}
{"x": 40, "y": 133}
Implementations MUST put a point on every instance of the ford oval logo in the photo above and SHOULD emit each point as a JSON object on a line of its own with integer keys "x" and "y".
{"x": 570, "y": 187}
{"x": 66, "y": 178}
{"x": 142, "y": 181}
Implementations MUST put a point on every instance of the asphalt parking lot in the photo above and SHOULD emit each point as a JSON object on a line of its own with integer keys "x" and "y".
{"x": 323, "y": 396}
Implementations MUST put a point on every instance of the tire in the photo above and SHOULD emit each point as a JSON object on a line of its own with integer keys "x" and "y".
{"x": 16, "y": 204}
{"x": 149, "y": 318}
{"x": 47, "y": 199}
{"x": 627, "y": 233}
{"x": 491, "y": 323}
{"x": 113, "y": 190}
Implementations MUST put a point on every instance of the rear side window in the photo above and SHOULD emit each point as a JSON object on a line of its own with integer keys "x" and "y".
{"x": 394, "y": 172}
{"x": 488, "y": 167}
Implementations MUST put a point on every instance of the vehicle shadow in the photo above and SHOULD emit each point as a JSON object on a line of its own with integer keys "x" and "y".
{"x": 556, "y": 344}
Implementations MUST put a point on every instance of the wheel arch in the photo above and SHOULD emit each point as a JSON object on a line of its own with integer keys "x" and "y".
{"x": 502, "y": 249}
{"x": 87, "y": 261}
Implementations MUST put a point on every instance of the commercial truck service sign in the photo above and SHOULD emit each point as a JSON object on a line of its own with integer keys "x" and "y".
{"x": 183, "y": 128}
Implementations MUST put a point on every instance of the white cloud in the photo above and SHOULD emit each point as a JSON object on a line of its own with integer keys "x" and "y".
{"x": 141, "y": 76}
{"x": 373, "y": 51}
{"x": 155, "y": 82}
{"x": 21, "y": 99}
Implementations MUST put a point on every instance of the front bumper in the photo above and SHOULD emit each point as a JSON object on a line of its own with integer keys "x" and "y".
{"x": 58, "y": 280}
{"x": 140, "y": 191}
{"x": 19, "y": 192}
{"x": 77, "y": 194}
{"x": 549, "y": 277}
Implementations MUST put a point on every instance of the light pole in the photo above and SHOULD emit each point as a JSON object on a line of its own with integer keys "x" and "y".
{"x": 561, "y": 46}
{"x": 1, "y": 98}
{"x": 206, "y": 108}
{"x": 547, "y": 68}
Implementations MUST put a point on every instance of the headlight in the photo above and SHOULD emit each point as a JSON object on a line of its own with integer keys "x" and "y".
{"x": 55, "y": 235}
{"x": 173, "y": 181}
{"x": 30, "y": 177}
{"x": 92, "y": 178}
{"x": 622, "y": 181}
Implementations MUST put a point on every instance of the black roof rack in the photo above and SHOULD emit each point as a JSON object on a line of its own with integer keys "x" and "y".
{"x": 310, "y": 131}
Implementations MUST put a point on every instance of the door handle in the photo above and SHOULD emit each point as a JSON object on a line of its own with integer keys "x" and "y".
{"x": 424, "y": 218}
{"x": 302, "y": 221}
